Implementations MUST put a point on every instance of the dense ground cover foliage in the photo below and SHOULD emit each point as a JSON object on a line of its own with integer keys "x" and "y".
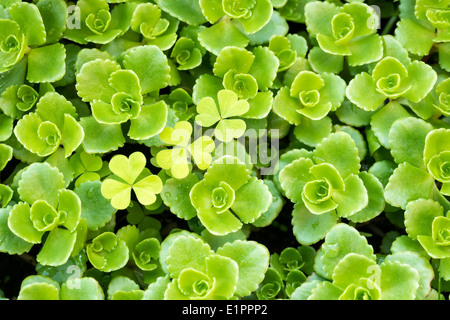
{"x": 225, "y": 149}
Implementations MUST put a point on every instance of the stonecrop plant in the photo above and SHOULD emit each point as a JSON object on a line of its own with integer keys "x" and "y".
{"x": 224, "y": 150}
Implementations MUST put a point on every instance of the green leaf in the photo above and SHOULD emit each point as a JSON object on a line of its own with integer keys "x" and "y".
{"x": 50, "y": 58}
{"x": 322, "y": 61}
{"x": 175, "y": 194}
{"x": 309, "y": 228}
{"x": 414, "y": 37}
{"x": 28, "y": 17}
{"x": 20, "y": 223}
{"x": 435, "y": 143}
{"x": 365, "y": 50}
{"x": 407, "y": 144}
{"x": 146, "y": 254}
{"x": 54, "y": 16}
{"x": 150, "y": 122}
{"x": 57, "y": 247}
{"x": 93, "y": 80}
{"x": 252, "y": 199}
{"x": 39, "y": 291}
{"x": 408, "y": 183}
{"x": 421, "y": 265}
{"x": 318, "y": 16}
{"x": 253, "y": 261}
{"x": 188, "y": 11}
{"x": 101, "y": 138}
{"x": 294, "y": 176}
{"x": 362, "y": 92}
{"x": 398, "y": 281}
{"x": 422, "y": 78}
{"x": 376, "y": 202}
{"x": 94, "y": 207}
{"x": 312, "y": 132}
{"x": 330, "y": 150}
{"x": 16, "y": 41}
{"x": 233, "y": 58}
{"x": 260, "y": 16}
{"x": 339, "y": 241}
{"x": 220, "y": 35}
{"x": 150, "y": 65}
{"x": 40, "y": 181}
{"x": 286, "y": 106}
{"x": 107, "y": 252}
{"x": 383, "y": 119}
{"x": 348, "y": 202}
{"x": 85, "y": 288}
{"x": 11, "y": 243}
{"x": 354, "y": 267}
{"x": 194, "y": 252}
{"x": 419, "y": 216}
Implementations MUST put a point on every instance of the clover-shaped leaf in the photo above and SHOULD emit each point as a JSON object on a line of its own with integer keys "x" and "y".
{"x": 130, "y": 174}
{"x": 177, "y": 159}
{"x": 230, "y": 106}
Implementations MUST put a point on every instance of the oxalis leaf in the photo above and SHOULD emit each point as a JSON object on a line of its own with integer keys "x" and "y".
{"x": 225, "y": 149}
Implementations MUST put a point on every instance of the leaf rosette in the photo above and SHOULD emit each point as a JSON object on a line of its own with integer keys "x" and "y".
{"x": 251, "y": 15}
{"x": 442, "y": 103}
{"x": 28, "y": 36}
{"x": 99, "y": 24}
{"x": 16, "y": 100}
{"x": 121, "y": 98}
{"x": 437, "y": 157}
{"x": 235, "y": 269}
{"x": 186, "y": 54}
{"x": 45, "y": 130}
{"x": 424, "y": 23}
{"x": 157, "y": 27}
{"x": 13, "y": 44}
{"x": 228, "y": 197}
{"x": 368, "y": 281}
{"x": 426, "y": 222}
{"x": 391, "y": 79}
{"x": 311, "y": 95}
{"x": 323, "y": 183}
{"x": 177, "y": 159}
{"x": 48, "y": 208}
{"x": 107, "y": 252}
{"x": 349, "y": 30}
